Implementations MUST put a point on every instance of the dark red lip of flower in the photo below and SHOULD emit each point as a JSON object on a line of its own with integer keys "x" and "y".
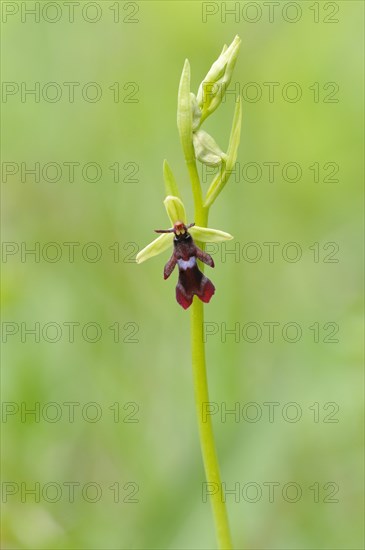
{"x": 191, "y": 280}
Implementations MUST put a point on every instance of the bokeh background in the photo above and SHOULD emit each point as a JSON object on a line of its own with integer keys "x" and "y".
{"x": 133, "y": 446}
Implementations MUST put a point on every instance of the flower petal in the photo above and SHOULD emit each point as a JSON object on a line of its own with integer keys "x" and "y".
{"x": 162, "y": 243}
{"x": 175, "y": 209}
{"x": 208, "y": 235}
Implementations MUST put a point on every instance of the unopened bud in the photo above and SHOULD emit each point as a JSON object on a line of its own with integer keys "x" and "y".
{"x": 206, "y": 149}
{"x": 213, "y": 88}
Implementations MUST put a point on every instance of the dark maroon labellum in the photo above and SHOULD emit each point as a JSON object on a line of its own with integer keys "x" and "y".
{"x": 191, "y": 279}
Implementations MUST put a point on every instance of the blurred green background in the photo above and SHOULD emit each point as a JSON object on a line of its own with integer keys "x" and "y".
{"x": 133, "y": 436}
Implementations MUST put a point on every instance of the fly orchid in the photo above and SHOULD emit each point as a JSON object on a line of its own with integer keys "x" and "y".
{"x": 185, "y": 254}
{"x": 198, "y": 145}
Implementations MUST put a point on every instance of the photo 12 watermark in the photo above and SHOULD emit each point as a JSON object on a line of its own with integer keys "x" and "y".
{"x": 69, "y": 332}
{"x": 69, "y": 92}
{"x": 270, "y": 412}
{"x": 271, "y": 332}
{"x": 270, "y": 12}
{"x": 70, "y": 171}
{"x": 290, "y": 492}
{"x": 70, "y": 412}
{"x": 290, "y": 91}
{"x": 274, "y": 172}
{"x": 30, "y": 12}
{"x": 69, "y": 492}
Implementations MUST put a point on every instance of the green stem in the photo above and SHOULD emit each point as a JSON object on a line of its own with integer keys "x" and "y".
{"x": 197, "y": 190}
{"x": 207, "y": 443}
{"x": 205, "y": 428}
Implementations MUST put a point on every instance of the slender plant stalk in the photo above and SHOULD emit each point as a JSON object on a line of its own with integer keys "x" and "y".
{"x": 197, "y": 144}
{"x": 197, "y": 192}
{"x": 205, "y": 428}
{"x": 207, "y": 442}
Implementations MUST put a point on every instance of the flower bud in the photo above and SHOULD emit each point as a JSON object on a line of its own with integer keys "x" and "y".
{"x": 206, "y": 149}
{"x": 212, "y": 89}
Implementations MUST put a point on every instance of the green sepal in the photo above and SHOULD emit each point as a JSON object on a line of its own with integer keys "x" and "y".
{"x": 159, "y": 245}
{"x": 208, "y": 235}
{"x": 170, "y": 181}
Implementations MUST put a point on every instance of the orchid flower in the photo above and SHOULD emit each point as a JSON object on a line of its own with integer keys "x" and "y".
{"x": 198, "y": 145}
